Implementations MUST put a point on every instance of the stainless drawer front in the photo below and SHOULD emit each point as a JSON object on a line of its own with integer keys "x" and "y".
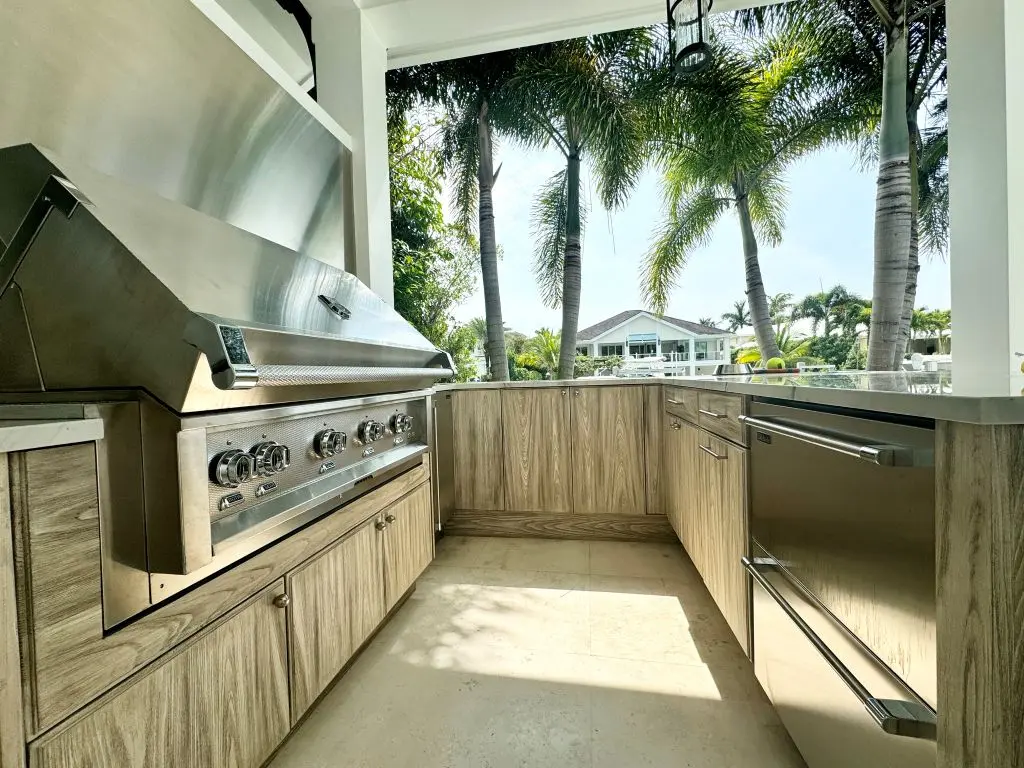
{"x": 835, "y": 723}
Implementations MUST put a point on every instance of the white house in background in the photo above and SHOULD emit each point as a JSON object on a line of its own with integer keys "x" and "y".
{"x": 686, "y": 348}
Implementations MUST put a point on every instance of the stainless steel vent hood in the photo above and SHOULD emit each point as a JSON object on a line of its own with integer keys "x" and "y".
{"x": 107, "y": 286}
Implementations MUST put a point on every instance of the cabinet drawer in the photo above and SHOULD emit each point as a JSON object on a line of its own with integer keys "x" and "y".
{"x": 682, "y": 402}
{"x": 720, "y": 414}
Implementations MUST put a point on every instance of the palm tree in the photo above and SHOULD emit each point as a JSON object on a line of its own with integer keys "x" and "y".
{"x": 475, "y": 94}
{"x": 576, "y": 97}
{"x": 724, "y": 139}
{"x": 831, "y": 309}
{"x": 791, "y": 349}
{"x": 890, "y": 56}
{"x": 478, "y": 326}
{"x": 779, "y": 308}
{"x": 709, "y": 322}
{"x": 543, "y": 350}
{"x": 738, "y": 318}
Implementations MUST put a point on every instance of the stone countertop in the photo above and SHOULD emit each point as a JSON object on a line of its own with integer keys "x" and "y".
{"x": 28, "y": 434}
{"x": 923, "y": 394}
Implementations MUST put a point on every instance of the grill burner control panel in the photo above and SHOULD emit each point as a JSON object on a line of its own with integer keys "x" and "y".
{"x": 250, "y": 463}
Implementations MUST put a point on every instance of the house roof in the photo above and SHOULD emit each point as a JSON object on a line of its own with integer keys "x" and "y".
{"x": 598, "y": 329}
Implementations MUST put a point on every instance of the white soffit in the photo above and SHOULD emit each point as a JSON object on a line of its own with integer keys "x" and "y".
{"x": 418, "y": 31}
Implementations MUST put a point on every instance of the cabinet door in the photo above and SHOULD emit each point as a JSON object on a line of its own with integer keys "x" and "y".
{"x": 222, "y": 701}
{"x": 408, "y": 543}
{"x": 337, "y": 601}
{"x": 688, "y": 488}
{"x": 608, "y": 461}
{"x": 476, "y": 415}
{"x": 725, "y": 535}
{"x": 538, "y": 460}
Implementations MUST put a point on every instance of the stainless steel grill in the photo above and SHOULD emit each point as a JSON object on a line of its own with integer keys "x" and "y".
{"x": 216, "y": 358}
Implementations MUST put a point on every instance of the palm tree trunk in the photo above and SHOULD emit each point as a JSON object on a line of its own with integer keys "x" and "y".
{"x": 894, "y": 205}
{"x": 913, "y": 256}
{"x": 498, "y": 362}
{"x": 573, "y": 271}
{"x": 757, "y": 299}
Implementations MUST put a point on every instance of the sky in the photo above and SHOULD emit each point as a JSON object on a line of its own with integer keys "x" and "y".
{"x": 828, "y": 240}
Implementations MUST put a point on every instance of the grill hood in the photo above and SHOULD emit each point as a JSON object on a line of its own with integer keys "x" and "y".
{"x": 106, "y": 286}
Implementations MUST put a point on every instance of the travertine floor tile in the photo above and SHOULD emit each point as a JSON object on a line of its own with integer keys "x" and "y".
{"x": 548, "y": 654}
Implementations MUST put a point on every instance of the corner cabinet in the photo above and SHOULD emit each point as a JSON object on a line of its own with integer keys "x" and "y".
{"x": 338, "y": 600}
{"x": 222, "y": 700}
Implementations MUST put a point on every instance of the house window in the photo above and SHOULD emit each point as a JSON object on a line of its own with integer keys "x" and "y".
{"x": 611, "y": 350}
{"x": 583, "y": 351}
{"x": 643, "y": 350}
{"x": 700, "y": 350}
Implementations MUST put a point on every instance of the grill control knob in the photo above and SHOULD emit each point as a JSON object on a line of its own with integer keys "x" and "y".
{"x": 401, "y": 423}
{"x": 271, "y": 457}
{"x": 232, "y": 468}
{"x": 329, "y": 442}
{"x": 371, "y": 430}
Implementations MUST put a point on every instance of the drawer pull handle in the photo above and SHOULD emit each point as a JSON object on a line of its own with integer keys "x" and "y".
{"x": 282, "y": 601}
{"x": 389, "y": 519}
{"x": 712, "y": 414}
{"x": 675, "y": 402}
{"x": 899, "y": 718}
{"x": 712, "y": 454}
{"x": 882, "y": 455}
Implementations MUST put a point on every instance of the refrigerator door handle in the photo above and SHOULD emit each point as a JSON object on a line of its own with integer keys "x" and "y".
{"x": 896, "y": 717}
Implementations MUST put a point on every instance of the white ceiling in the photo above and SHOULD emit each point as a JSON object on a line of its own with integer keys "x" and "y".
{"x": 417, "y": 31}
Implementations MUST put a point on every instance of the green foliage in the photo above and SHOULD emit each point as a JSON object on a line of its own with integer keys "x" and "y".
{"x": 738, "y": 318}
{"x": 434, "y": 262}
{"x": 541, "y": 352}
{"x": 588, "y": 366}
{"x": 775, "y": 364}
{"x": 794, "y": 350}
{"x": 833, "y": 350}
{"x": 829, "y": 310}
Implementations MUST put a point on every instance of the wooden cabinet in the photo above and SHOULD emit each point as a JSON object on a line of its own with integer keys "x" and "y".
{"x": 537, "y": 450}
{"x": 721, "y": 535}
{"x": 608, "y": 458}
{"x": 476, "y": 417}
{"x": 337, "y": 601}
{"x": 408, "y": 543}
{"x": 222, "y": 700}
{"x": 682, "y": 481}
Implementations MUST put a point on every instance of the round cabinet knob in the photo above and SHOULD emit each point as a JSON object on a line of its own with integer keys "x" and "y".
{"x": 380, "y": 525}
{"x": 390, "y": 519}
{"x": 232, "y": 468}
{"x": 371, "y": 430}
{"x": 401, "y": 423}
{"x": 329, "y": 442}
{"x": 271, "y": 457}
{"x": 282, "y": 601}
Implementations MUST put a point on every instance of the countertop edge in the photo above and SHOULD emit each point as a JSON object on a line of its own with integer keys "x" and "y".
{"x": 32, "y": 434}
{"x": 982, "y": 411}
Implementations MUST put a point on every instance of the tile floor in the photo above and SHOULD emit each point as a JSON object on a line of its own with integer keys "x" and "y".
{"x": 516, "y": 653}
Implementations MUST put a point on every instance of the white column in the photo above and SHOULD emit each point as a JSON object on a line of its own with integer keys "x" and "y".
{"x": 986, "y": 121}
{"x": 351, "y": 62}
{"x": 692, "y": 358}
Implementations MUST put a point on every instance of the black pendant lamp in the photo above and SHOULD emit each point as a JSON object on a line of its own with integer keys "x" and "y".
{"x": 688, "y": 35}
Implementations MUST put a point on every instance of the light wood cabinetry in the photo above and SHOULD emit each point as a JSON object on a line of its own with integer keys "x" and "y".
{"x": 682, "y": 480}
{"x": 537, "y": 450}
{"x": 654, "y": 445}
{"x": 337, "y": 601}
{"x": 476, "y": 417}
{"x": 719, "y": 413}
{"x": 720, "y": 536}
{"x": 12, "y": 743}
{"x": 408, "y": 543}
{"x": 608, "y": 458}
{"x": 222, "y": 700}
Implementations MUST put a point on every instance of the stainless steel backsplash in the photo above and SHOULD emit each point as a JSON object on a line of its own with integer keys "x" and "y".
{"x": 151, "y": 91}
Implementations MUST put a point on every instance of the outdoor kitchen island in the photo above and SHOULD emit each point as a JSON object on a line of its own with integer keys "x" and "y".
{"x": 933, "y": 607}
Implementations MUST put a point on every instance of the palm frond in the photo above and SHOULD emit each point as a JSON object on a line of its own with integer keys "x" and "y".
{"x": 550, "y": 218}
{"x": 460, "y": 153}
{"x": 688, "y": 226}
